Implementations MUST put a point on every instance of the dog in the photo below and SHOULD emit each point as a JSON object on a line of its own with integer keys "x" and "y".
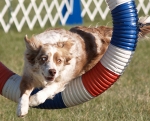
{"x": 57, "y": 56}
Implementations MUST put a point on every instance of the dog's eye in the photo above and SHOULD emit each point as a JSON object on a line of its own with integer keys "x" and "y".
{"x": 44, "y": 58}
{"x": 58, "y": 60}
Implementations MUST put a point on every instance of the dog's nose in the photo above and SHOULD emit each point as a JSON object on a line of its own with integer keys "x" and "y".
{"x": 52, "y": 72}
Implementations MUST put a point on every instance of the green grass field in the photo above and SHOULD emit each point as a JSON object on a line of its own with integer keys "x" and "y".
{"x": 127, "y": 100}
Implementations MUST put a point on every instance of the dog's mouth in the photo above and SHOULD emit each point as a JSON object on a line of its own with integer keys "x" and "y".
{"x": 49, "y": 78}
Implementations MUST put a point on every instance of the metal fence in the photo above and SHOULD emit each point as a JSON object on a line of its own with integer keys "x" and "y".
{"x": 29, "y": 12}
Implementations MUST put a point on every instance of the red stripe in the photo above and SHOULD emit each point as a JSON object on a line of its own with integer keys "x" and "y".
{"x": 98, "y": 79}
{"x": 5, "y": 74}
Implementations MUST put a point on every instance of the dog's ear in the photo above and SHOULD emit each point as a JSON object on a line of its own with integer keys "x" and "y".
{"x": 33, "y": 47}
{"x": 32, "y": 44}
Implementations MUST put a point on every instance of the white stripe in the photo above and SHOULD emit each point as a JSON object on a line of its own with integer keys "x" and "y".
{"x": 8, "y": 87}
{"x": 113, "y": 66}
{"x": 11, "y": 88}
{"x": 116, "y": 59}
{"x": 125, "y": 53}
{"x": 114, "y": 3}
{"x": 16, "y": 93}
{"x": 75, "y": 93}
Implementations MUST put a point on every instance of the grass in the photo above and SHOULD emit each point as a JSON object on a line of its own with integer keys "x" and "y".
{"x": 127, "y": 100}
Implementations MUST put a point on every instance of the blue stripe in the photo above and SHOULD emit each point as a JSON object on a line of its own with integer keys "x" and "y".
{"x": 127, "y": 28}
{"x": 125, "y": 25}
{"x": 129, "y": 23}
{"x": 117, "y": 31}
{"x": 55, "y": 103}
{"x": 125, "y": 40}
{"x": 126, "y": 19}
{"x": 127, "y": 36}
{"x": 123, "y": 43}
{"x": 125, "y": 11}
{"x": 123, "y": 7}
{"x": 124, "y": 16}
{"x": 125, "y": 47}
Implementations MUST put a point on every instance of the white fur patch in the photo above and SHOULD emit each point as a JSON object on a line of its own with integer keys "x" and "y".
{"x": 23, "y": 106}
{"x": 51, "y": 37}
{"x": 48, "y": 92}
{"x": 37, "y": 99}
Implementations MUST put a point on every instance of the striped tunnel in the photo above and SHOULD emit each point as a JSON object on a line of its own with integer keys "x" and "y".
{"x": 99, "y": 78}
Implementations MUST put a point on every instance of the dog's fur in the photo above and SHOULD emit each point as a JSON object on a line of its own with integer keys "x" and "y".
{"x": 57, "y": 56}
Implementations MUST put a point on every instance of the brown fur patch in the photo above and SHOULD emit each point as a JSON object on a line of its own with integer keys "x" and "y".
{"x": 57, "y": 58}
{"x": 104, "y": 35}
{"x": 90, "y": 44}
{"x": 26, "y": 84}
{"x": 144, "y": 31}
{"x": 66, "y": 45}
{"x": 65, "y": 55}
{"x": 64, "y": 48}
{"x": 31, "y": 55}
{"x": 102, "y": 31}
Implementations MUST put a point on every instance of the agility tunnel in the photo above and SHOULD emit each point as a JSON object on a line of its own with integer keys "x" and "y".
{"x": 102, "y": 76}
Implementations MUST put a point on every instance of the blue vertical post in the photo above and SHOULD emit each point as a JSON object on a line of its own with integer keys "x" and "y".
{"x": 75, "y": 16}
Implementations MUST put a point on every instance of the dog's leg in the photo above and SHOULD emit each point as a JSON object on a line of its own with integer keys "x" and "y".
{"x": 48, "y": 92}
{"x": 23, "y": 103}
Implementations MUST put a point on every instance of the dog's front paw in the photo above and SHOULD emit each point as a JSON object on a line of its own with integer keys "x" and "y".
{"x": 37, "y": 99}
{"x": 22, "y": 108}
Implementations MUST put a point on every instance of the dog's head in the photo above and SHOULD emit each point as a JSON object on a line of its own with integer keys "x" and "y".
{"x": 47, "y": 60}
